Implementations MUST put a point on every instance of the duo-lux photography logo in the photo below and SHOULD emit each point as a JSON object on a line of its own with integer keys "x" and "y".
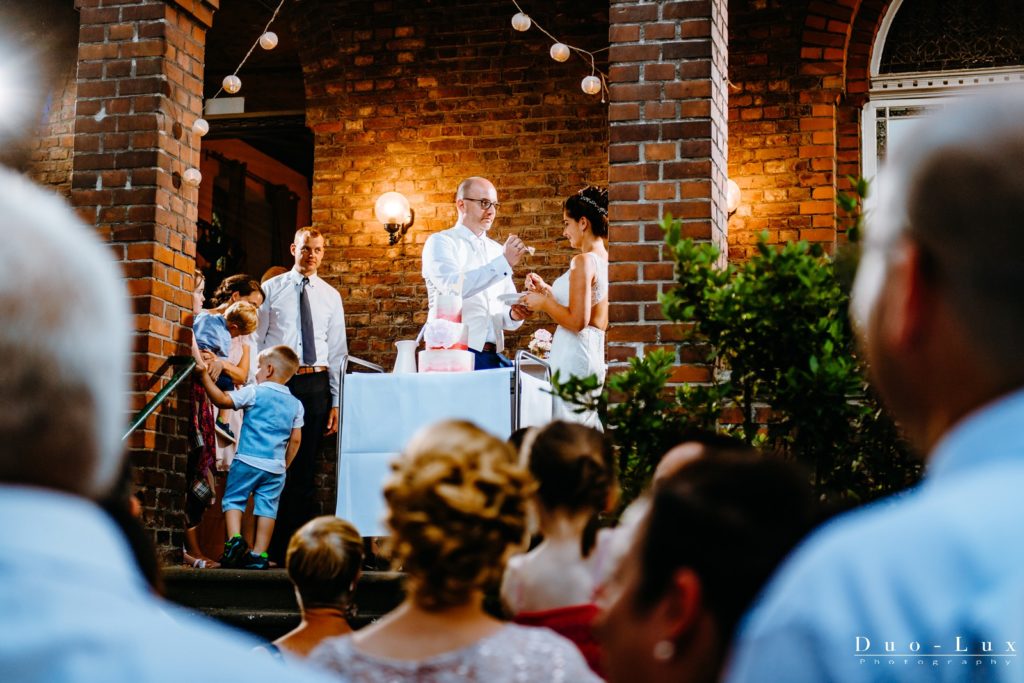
{"x": 957, "y": 651}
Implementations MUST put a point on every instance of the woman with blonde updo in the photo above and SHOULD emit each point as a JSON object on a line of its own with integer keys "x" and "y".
{"x": 457, "y": 507}
{"x": 324, "y": 559}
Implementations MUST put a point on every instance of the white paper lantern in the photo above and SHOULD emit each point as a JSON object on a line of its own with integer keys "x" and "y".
{"x": 192, "y": 177}
{"x": 559, "y": 52}
{"x": 591, "y": 85}
{"x": 268, "y": 41}
{"x": 201, "y": 126}
{"x": 521, "y": 22}
{"x": 732, "y": 196}
{"x": 232, "y": 84}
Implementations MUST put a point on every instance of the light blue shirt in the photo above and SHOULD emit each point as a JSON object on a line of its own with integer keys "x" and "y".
{"x": 942, "y": 562}
{"x": 74, "y": 608}
{"x": 212, "y": 334}
{"x": 271, "y": 413}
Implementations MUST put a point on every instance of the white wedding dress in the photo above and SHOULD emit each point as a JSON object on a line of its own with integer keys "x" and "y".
{"x": 579, "y": 355}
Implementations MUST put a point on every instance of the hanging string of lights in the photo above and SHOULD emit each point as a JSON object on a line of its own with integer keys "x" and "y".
{"x": 596, "y": 82}
{"x": 231, "y": 84}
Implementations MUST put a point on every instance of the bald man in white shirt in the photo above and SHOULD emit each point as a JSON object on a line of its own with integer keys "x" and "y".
{"x": 465, "y": 252}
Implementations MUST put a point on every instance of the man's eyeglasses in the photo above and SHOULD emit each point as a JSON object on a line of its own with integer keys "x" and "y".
{"x": 484, "y": 203}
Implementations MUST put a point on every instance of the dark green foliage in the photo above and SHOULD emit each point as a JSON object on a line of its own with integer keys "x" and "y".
{"x": 785, "y": 373}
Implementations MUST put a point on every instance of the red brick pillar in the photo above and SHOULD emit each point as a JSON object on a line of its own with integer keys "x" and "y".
{"x": 140, "y": 77}
{"x": 667, "y": 154}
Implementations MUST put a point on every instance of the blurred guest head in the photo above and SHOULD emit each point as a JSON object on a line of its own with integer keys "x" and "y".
{"x": 695, "y": 444}
{"x": 63, "y": 377}
{"x": 323, "y": 561}
{"x": 936, "y": 301}
{"x": 456, "y": 510}
{"x": 712, "y": 534}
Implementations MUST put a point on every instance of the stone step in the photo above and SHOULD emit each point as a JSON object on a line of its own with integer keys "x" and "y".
{"x": 263, "y": 602}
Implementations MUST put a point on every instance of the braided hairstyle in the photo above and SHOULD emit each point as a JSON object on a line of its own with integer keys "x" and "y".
{"x": 456, "y": 507}
{"x": 591, "y": 202}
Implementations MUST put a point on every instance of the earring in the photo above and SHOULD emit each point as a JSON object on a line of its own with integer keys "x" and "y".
{"x": 663, "y": 651}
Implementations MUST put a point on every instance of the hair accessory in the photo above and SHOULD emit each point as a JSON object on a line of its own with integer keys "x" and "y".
{"x": 588, "y": 200}
{"x": 663, "y": 651}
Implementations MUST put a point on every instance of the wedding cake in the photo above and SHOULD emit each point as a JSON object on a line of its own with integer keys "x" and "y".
{"x": 447, "y": 339}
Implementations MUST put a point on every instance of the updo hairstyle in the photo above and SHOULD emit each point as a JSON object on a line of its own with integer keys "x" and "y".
{"x": 573, "y": 465}
{"x": 456, "y": 508}
{"x": 323, "y": 561}
{"x": 241, "y": 283}
{"x": 591, "y": 202}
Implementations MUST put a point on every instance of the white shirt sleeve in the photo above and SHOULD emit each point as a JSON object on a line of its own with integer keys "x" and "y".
{"x": 337, "y": 348}
{"x": 443, "y": 265}
{"x": 244, "y": 397}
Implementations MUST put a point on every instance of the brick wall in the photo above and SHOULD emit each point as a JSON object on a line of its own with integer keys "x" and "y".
{"x": 800, "y": 80}
{"x": 415, "y": 96}
{"x": 667, "y": 153}
{"x": 51, "y": 149}
{"x": 139, "y": 87}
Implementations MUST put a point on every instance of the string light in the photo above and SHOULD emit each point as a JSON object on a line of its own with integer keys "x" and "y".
{"x": 201, "y": 127}
{"x": 596, "y": 82}
{"x": 192, "y": 177}
{"x": 521, "y": 21}
{"x": 267, "y": 40}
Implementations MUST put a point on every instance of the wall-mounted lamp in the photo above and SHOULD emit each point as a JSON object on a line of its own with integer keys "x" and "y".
{"x": 393, "y": 210}
{"x": 732, "y": 196}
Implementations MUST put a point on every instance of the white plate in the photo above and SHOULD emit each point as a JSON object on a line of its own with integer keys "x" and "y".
{"x": 511, "y": 299}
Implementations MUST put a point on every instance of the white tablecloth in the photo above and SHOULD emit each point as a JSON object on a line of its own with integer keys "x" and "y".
{"x": 380, "y": 412}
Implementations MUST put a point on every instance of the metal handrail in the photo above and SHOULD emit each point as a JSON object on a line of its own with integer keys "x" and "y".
{"x": 186, "y": 365}
{"x": 518, "y": 382}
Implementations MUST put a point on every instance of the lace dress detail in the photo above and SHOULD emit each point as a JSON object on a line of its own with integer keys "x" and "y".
{"x": 579, "y": 355}
{"x": 513, "y": 654}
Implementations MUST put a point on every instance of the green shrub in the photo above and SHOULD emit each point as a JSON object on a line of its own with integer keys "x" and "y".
{"x": 775, "y": 333}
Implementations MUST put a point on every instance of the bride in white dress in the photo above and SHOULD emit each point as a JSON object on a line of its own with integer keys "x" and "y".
{"x": 578, "y": 300}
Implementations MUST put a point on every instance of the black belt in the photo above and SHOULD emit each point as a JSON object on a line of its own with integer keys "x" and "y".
{"x": 310, "y": 369}
{"x": 489, "y": 347}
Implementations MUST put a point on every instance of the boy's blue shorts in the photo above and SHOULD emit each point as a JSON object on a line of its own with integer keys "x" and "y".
{"x": 265, "y": 486}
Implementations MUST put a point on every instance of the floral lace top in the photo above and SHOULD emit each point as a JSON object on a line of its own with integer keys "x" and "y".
{"x": 513, "y": 654}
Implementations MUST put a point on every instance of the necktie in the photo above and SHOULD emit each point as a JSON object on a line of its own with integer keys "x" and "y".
{"x": 306, "y": 323}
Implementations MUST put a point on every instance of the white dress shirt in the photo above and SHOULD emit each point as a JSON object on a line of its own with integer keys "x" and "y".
{"x": 279, "y": 321}
{"x": 74, "y": 607}
{"x": 480, "y": 262}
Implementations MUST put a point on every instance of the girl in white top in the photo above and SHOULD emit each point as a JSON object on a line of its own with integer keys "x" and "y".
{"x": 578, "y": 300}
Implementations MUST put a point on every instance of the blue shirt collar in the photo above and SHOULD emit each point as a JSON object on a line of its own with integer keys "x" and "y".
{"x": 992, "y": 434}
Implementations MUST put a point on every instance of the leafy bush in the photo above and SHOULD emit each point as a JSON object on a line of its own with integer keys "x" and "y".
{"x": 785, "y": 375}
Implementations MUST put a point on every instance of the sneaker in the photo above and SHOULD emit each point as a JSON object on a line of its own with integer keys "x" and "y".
{"x": 235, "y": 551}
{"x": 225, "y": 431}
{"x": 254, "y": 561}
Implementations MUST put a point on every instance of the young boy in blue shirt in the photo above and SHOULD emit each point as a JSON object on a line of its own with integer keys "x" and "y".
{"x": 213, "y": 332}
{"x": 269, "y": 439}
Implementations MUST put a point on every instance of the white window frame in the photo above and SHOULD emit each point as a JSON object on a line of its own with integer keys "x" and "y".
{"x": 928, "y": 90}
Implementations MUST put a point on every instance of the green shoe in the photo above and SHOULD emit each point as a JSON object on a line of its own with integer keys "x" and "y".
{"x": 235, "y": 552}
{"x": 254, "y": 561}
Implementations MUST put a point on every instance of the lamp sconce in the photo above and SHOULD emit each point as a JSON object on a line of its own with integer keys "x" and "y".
{"x": 393, "y": 210}
{"x": 732, "y": 196}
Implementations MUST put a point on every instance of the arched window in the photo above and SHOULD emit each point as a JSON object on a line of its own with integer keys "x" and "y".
{"x": 928, "y": 53}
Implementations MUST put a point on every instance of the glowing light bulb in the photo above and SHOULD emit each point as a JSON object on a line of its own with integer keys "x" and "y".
{"x": 268, "y": 41}
{"x": 232, "y": 84}
{"x": 521, "y": 22}
{"x": 559, "y": 52}
{"x": 192, "y": 177}
{"x": 591, "y": 85}
{"x": 201, "y": 126}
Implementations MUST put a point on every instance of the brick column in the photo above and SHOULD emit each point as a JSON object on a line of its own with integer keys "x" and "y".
{"x": 140, "y": 71}
{"x": 667, "y": 154}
